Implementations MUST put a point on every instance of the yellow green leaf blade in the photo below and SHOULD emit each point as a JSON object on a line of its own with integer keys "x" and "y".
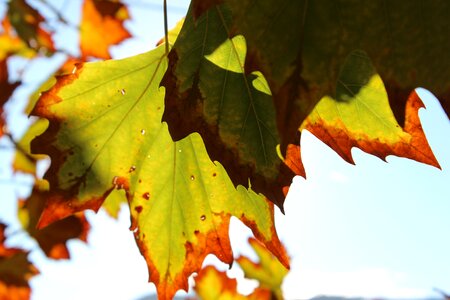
{"x": 105, "y": 133}
{"x": 184, "y": 215}
{"x": 268, "y": 271}
{"x": 88, "y": 123}
{"x": 360, "y": 116}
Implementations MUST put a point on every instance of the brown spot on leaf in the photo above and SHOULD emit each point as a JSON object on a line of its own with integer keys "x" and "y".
{"x": 121, "y": 183}
{"x": 203, "y": 217}
{"x": 146, "y": 196}
{"x": 138, "y": 209}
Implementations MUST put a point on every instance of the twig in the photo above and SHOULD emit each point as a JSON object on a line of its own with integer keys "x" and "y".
{"x": 166, "y": 28}
{"x": 20, "y": 148}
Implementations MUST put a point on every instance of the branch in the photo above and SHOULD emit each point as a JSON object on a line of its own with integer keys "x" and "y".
{"x": 20, "y": 148}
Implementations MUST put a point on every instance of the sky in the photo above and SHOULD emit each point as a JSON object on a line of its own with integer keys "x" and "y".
{"x": 373, "y": 229}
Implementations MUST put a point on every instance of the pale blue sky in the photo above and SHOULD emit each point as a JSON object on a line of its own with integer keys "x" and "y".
{"x": 374, "y": 229}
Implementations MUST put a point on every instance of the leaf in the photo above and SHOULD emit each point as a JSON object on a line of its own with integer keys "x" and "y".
{"x": 10, "y": 44}
{"x": 300, "y": 47}
{"x": 233, "y": 111}
{"x": 102, "y": 27}
{"x": 269, "y": 272}
{"x": 172, "y": 34}
{"x": 105, "y": 133}
{"x": 113, "y": 203}
{"x": 6, "y": 89}
{"x": 15, "y": 271}
{"x": 211, "y": 284}
{"x": 24, "y": 161}
{"x": 53, "y": 238}
{"x": 27, "y": 23}
{"x": 360, "y": 116}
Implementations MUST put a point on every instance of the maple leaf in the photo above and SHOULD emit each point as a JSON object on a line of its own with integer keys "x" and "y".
{"x": 300, "y": 48}
{"x": 101, "y": 27}
{"x": 15, "y": 271}
{"x": 233, "y": 111}
{"x": 51, "y": 239}
{"x": 269, "y": 272}
{"x": 360, "y": 116}
{"x": 105, "y": 133}
{"x": 211, "y": 284}
{"x": 27, "y": 24}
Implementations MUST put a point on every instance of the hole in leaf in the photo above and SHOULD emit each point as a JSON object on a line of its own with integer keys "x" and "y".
{"x": 203, "y": 218}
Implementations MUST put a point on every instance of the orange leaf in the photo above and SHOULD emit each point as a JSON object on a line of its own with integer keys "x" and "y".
{"x": 53, "y": 238}
{"x": 102, "y": 27}
{"x": 15, "y": 271}
{"x": 211, "y": 284}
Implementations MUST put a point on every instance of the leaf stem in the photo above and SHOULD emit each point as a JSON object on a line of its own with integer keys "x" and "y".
{"x": 166, "y": 28}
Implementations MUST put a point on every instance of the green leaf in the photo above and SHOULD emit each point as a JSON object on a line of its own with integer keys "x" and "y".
{"x": 232, "y": 110}
{"x": 105, "y": 133}
{"x": 300, "y": 47}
